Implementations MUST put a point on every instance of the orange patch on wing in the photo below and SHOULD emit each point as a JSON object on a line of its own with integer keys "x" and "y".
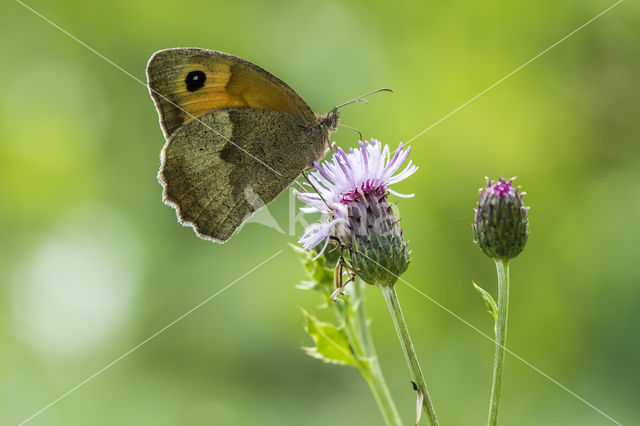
{"x": 231, "y": 86}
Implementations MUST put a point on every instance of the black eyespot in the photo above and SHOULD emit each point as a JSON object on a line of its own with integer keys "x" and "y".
{"x": 195, "y": 80}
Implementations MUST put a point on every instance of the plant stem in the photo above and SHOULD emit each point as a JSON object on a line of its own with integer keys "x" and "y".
{"x": 391, "y": 297}
{"x": 502, "y": 267}
{"x": 357, "y": 329}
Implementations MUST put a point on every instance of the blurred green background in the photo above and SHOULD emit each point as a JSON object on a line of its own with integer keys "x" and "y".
{"x": 92, "y": 262}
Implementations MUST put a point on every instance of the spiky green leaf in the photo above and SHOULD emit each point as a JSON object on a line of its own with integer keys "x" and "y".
{"x": 488, "y": 300}
{"x": 321, "y": 278}
{"x": 331, "y": 343}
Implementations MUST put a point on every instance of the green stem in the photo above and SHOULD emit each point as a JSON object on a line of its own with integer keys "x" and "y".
{"x": 502, "y": 267}
{"x": 391, "y": 297}
{"x": 357, "y": 329}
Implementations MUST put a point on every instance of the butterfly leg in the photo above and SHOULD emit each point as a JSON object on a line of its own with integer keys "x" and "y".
{"x": 352, "y": 128}
{"x": 338, "y": 277}
{"x": 302, "y": 188}
{"x": 337, "y": 280}
{"x": 340, "y": 284}
{"x": 316, "y": 189}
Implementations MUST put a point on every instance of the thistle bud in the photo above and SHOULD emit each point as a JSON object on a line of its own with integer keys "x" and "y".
{"x": 501, "y": 224}
{"x": 378, "y": 252}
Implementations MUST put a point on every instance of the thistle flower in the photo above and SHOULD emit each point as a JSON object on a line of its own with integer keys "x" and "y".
{"x": 501, "y": 224}
{"x": 352, "y": 197}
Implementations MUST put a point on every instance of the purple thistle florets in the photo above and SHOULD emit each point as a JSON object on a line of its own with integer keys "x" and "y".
{"x": 501, "y": 188}
{"x": 501, "y": 223}
{"x": 352, "y": 198}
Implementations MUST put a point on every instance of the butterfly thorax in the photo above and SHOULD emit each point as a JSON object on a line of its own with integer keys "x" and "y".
{"x": 326, "y": 124}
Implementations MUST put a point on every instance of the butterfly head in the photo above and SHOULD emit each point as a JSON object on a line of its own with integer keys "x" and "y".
{"x": 330, "y": 121}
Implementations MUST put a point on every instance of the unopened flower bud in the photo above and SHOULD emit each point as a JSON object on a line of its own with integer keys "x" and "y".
{"x": 501, "y": 224}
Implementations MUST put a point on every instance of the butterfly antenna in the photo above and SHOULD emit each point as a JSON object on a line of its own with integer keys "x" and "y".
{"x": 352, "y": 128}
{"x": 362, "y": 97}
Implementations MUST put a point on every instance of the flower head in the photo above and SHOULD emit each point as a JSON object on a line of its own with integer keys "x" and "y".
{"x": 352, "y": 192}
{"x": 501, "y": 224}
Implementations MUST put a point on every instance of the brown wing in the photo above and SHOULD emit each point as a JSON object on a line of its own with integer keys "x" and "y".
{"x": 215, "y": 185}
{"x": 188, "y": 82}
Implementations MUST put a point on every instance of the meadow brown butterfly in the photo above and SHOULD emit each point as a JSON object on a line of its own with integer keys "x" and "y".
{"x": 236, "y": 137}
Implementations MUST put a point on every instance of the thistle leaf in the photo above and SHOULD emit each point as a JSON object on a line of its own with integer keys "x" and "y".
{"x": 332, "y": 344}
{"x": 321, "y": 278}
{"x": 488, "y": 300}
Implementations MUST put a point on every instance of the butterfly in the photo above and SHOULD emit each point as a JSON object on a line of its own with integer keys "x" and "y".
{"x": 236, "y": 137}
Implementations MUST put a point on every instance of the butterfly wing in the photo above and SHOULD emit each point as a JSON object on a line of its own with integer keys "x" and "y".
{"x": 215, "y": 184}
{"x": 188, "y": 82}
